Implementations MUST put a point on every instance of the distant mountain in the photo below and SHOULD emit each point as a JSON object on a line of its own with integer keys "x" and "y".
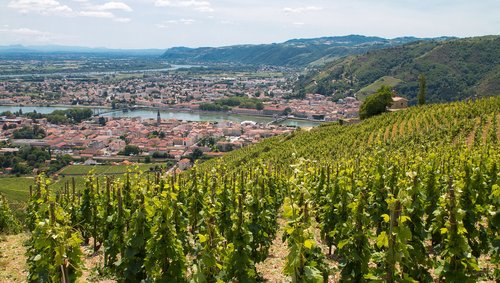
{"x": 293, "y": 53}
{"x": 56, "y": 49}
{"x": 454, "y": 69}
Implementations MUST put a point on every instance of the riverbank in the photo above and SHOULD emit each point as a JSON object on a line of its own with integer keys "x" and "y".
{"x": 56, "y": 106}
{"x": 227, "y": 113}
{"x": 166, "y": 113}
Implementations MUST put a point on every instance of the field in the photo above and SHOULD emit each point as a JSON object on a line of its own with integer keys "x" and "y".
{"x": 105, "y": 169}
{"x": 16, "y": 189}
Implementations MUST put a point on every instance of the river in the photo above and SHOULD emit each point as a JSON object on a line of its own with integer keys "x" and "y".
{"x": 168, "y": 114}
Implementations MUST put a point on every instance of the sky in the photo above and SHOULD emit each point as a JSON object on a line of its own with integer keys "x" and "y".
{"x": 134, "y": 24}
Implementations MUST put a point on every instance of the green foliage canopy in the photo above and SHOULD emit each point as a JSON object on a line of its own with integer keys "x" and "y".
{"x": 28, "y": 132}
{"x": 377, "y": 103}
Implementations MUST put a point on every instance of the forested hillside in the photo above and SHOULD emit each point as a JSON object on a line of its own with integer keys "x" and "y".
{"x": 292, "y": 53}
{"x": 454, "y": 69}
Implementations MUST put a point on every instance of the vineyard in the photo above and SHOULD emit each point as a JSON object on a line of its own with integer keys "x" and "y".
{"x": 411, "y": 196}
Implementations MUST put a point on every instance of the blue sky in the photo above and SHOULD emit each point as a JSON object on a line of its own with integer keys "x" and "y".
{"x": 167, "y": 23}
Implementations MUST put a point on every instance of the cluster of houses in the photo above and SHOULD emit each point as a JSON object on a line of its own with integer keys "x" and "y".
{"x": 176, "y": 139}
{"x": 155, "y": 91}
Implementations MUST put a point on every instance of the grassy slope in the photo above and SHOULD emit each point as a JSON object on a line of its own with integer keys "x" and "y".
{"x": 455, "y": 69}
{"x": 104, "y": 169}
{"x": 372, "y": 88}
{"x": 396, "y": 131}
{"x": 16, "y": 189}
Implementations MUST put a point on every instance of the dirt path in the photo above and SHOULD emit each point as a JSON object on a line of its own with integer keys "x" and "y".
{"x": 272, "y": 268}
{"x": 91, "y": 262}
{"x": 13, "y": 267}
{"x": 332, "y": 264}
{"x": 12, "y": 258}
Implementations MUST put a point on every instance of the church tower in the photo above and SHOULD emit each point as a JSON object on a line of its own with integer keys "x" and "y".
{"x": 158, "y": 119}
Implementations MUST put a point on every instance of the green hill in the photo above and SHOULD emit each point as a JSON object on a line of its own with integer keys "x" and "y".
{"x": 455, "y": 69}
{"x": 410, "y": 196}
{"x": 443, "y": 125}
{"x": 292, "y": 53}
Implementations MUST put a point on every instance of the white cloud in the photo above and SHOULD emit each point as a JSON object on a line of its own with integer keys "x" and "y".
{"x": 166, "y": 24}
{"x": 40, "y": 6}
{"x": 97, "y": 14}
{"x": 113, "y": 6}
{"x": 289, "y": 10}
{"x": 103, "y": 15}
{"x": 105, "y": 11}
{"x": 298, "y": 24}
{"x": 46, "y": 7}
{"x": 201, "y": 6}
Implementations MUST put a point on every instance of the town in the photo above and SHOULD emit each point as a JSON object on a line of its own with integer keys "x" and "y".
{"x": 138, "y": 139}
{"x": 104, "y": 139}
{"x": 181, "y": 91}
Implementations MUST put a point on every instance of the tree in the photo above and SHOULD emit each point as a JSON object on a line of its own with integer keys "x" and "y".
{"x": 376, "y": 103}
{"x": 287, "y": 111}
{"x": 196, "y": 154}
{"x": 28, "y": 132}
{"x": 7, "y": 114}
{"x": 422, "y": 89}
{"x": 78, "y": 115}
{"x": 259, "y": 106}
{"x": 59, "y": 162}
{"x": 301, "y": 94}
{"x": 102, "y": 121}
{"x": 20, "y": 168}
{"x": 130, "y": 150}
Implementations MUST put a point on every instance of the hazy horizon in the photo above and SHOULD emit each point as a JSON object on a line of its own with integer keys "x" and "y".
{"x": 202, "y": 46}
{"x": 161, "y": 24}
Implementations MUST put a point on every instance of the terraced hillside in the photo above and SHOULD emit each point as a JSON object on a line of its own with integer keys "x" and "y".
{"x": 408, "y": 196}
